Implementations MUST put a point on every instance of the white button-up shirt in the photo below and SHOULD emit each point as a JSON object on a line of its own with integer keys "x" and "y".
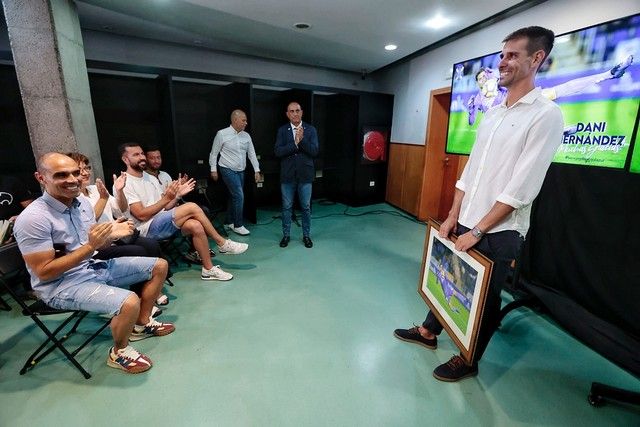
{"x": 513, "y": 150}
{"x": 233, "y": 148}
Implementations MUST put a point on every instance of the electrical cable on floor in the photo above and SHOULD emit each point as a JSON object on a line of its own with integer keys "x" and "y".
{"x": 324, "y": 202}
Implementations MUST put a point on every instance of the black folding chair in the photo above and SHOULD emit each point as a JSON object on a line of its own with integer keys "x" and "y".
{"x": 172, "y": 249}
{"x": 11, "y": 263}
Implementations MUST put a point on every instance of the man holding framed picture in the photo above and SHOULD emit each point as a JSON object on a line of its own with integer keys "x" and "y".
{"x": 514, "y": 147}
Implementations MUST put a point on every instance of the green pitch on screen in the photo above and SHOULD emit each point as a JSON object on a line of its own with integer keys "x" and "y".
{"x": 635, "y": 156}
{"x": 619, "y": 116}
{"x": 460, "y": 315}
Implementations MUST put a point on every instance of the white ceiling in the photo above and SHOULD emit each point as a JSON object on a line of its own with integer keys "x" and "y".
{"x": 345, "y": 34}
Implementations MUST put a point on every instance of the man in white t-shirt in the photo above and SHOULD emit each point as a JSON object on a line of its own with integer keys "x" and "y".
{"x": 154, "y": 163}
{"x": 157, "y": 216}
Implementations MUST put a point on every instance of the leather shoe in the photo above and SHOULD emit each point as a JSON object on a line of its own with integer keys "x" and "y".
{"x": 307, "y": 242}
{"x": 284, "y": 242}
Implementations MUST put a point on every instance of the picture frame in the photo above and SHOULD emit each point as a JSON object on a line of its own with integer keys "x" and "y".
{"x": 375, "y": 140}
{"x": 454, "y": 285}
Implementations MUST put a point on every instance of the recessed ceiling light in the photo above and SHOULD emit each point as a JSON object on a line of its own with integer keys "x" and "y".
{"x": 437, "y": 22}
{"x": 301, "y": 26}
{"x": 198, "y": 42}
{"x": 390, "y": 47}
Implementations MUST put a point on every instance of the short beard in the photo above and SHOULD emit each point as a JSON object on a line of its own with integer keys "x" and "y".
{"x": 137, "y": 168}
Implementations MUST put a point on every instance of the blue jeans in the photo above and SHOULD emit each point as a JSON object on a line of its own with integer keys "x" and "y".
{"x": 234, "y": 182}
{"x": 105, "y": 286}
{"x": 288, "y": 190}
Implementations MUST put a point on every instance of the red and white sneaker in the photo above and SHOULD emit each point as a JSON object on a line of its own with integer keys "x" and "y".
{"x": 129, "y": 360}
{"x": 151, "y": 329}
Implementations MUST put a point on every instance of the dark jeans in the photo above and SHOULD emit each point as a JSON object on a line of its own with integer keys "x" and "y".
{"x": 288, "y": 190}
{"x": 143, "y": 246}
{"x": 501, "y": 248}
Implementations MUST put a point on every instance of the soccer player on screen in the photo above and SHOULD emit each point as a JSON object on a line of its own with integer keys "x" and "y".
{"x": 491, "y": 94}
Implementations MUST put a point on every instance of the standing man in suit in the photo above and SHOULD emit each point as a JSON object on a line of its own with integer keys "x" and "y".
{"x": 296, "y": 147}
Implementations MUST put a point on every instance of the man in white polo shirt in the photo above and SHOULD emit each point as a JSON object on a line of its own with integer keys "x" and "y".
{"x": 234, "y": 144}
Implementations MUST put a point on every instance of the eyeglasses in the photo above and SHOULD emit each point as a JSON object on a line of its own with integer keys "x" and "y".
{"x": 87, "y": 168}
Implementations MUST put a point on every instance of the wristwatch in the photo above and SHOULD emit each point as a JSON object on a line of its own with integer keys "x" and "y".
{"x": 477, "y": 233}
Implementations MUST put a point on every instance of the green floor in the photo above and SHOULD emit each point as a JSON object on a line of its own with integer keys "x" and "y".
{"x": 303, "y": 337}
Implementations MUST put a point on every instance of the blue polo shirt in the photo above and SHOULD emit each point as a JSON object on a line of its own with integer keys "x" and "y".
{"x": 47, "y": 221}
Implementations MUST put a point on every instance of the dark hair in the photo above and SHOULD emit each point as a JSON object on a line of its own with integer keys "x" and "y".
{"x": 538, "y": 38}
{"x": 79, "y": 157}
{"x": 151, "y": 148}
{"x": 123, "y": 147}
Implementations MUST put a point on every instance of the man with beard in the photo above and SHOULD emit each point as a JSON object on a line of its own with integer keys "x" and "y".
{"x": 162, "y": 181}
{"x": 154, "y": 163}
{"x": 515, "y": 144}
{"x": 57, "y": 235}
{"x": 157, "y": 216}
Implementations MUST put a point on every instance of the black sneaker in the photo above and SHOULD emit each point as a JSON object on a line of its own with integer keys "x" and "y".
{"x": 412, "y": 335}
{"x": 455, "y": 369}
{"x": 193, "y": 257}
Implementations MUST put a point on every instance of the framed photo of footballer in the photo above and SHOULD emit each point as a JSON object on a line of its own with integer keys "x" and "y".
{"x": 454, "y": 285}
{"x": 375, "y": 140}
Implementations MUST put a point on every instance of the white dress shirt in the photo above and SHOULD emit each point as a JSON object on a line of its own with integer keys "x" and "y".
{"x": 233, "y": 148}
{"x": 513, "y": 150}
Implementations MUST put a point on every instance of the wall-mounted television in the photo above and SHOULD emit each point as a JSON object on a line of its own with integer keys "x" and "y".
{"x": 594, "y": 76}
{"x": 634, "y": 165}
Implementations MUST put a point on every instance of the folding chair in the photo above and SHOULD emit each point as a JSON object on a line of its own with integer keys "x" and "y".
{"x": 172, "y": 248}
{"x": 11, "y": 263}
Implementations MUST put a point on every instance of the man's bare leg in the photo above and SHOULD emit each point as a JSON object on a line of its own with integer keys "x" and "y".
{"x": 122, "y": 323}
{"x": 151, "y": 290}
{"x": 193, "y": 211}
{"x": 195, "y": 229}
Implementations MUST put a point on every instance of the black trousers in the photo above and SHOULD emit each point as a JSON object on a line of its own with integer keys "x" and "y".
{"x": 501, "y": 248}
{"x": 143, "y": 246}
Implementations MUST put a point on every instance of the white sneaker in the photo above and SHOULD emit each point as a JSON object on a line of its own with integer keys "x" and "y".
{"x": 241, "y": 231}
{"x": 155, "y": 312}
{"x": 233, "y": 248}
{"x": 215, "y": 273}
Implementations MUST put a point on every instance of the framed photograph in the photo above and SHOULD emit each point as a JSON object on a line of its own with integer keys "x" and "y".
{"x": 454, "y": 285}
{"x": 375, "y": 140}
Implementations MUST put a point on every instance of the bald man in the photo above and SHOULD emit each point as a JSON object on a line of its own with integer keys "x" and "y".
{"x": 233, "y": 145}
{"x": 57, "y": 235}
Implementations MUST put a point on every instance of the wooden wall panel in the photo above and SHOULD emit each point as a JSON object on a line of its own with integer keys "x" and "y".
{"x": 404, "y": 178}
{"x": 414, "y": 165}
{"x": 395, "y": 174}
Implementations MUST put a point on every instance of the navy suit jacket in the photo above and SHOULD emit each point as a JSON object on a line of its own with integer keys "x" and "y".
{"x": 296, "y": 163}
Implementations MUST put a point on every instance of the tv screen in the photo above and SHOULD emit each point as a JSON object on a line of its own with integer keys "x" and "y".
{"x": 634, "y": 166}
{"x": 594, "y": 76}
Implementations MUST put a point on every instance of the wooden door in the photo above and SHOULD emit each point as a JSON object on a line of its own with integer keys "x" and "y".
{"x": 441, "y": 170}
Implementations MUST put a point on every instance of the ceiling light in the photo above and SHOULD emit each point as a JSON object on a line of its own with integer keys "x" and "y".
{"x": 390, "y": 47}
{"x": 437, "y": 22}
{"x": 301, "y": 26}
{"x": 197, "y": 42}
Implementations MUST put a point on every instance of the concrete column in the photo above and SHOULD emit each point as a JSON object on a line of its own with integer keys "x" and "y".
{"x": 48, "y": 54}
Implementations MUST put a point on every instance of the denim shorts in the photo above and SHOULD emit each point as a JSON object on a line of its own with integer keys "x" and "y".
{"x": 106, "y": 287}
{"x": 162, "y": 225}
